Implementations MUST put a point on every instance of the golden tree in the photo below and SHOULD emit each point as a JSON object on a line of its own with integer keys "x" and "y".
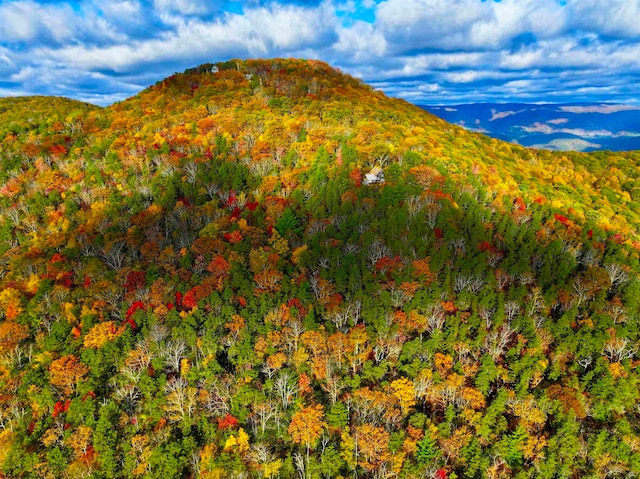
{"x": 307, "y": 425}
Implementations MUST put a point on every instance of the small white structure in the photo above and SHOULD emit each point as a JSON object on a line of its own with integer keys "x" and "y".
{"x": 375, "y": 176}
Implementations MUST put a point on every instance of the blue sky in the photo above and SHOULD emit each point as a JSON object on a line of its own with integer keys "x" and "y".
{"x": 425, "y": 51}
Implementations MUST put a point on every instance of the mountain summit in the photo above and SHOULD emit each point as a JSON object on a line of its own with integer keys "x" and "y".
{"x": 265, "y": 268}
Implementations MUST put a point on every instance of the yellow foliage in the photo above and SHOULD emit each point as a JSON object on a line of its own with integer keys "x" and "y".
{"x": 185, "y": 366}
{"x": 32, "y": 284}
{"x": 230, "y": 443}
{"x": 295, "y": 255}
{"x": 239, "y": 443}
{"x": 347, "y": 449}
{"x": 443, "y": 363}
{"x": 243, "y": 441}
{"x": 6, "y": 441}
{"x": 67, "y": 309}
{"x": 398, "y": 462}
{"x": 405, "y": 392}
{"x": 277, "y": 360}
{"x": 617, "y": 370}
{"x": 300, "y": 357}
{"x": 10, "y": 302}
{"x": 270, "y": 469}
{"x": 79, "y": 441}
{"x": 100, "y": 334}
{"x": 279, "y": 244}
{"x": 534, "y": 447}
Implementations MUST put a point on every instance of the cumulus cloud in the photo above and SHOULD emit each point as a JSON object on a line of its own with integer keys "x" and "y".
{"x": 441, "y": 51}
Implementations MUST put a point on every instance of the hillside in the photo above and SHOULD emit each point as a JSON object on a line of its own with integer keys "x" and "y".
{"x": 576, "y": 126}
{"x": 199, "y": 282}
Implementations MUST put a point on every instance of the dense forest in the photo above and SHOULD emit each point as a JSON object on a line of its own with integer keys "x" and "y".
{"x": 202, "y": 282}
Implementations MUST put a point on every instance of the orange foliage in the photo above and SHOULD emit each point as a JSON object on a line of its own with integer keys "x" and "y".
{"x": 66, "y": 372}
{"x": 307, "y": 424}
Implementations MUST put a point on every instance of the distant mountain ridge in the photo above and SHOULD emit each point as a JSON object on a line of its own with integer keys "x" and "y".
{"x": 574, "y": 126}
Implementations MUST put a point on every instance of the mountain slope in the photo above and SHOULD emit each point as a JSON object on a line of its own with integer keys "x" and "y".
{"x": 198, "y": 282}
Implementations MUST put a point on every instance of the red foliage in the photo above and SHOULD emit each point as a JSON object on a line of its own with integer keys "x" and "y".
{"x": 65, "y": 279}
{"x": 189, "y": 300}
{"x": 334, "y": 301}
{"x": 441, "y": 195}
{"x": 131, "y": 311}
{"x": 135, "y": 280}
{"x": 57, "y": 258}
{"x": 439, "y": 233}
{"x": 227, "y": 422}
{"x": 179, "y": 299}
{"x": 87, "y": 282}
{"x": 57, "y": 150}
{"x": 617, "y": 238}
{"x": 562, "y": 219}
{"x": 519, "y": 204}
{"x": 60, "y": 407}
{"x": 441, "y": 474}
{"x": 297, "y": 304}
{"x": 233, "y": 237}
{"x": 251, "y": 206}
{"x": 236, "y": 213}
{"x": 590, "y": 234}
{"x": 242, "y": 301}
{"x": 387, "y": 264}
{"x": 485, "y": 246}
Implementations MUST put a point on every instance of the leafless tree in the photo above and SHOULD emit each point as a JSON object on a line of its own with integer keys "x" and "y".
{"x": 114, "y": 256}
{"x": 129, "y": 396}
{"x": 511, "y": 309}
{"x": 617, "y": 349}
{"x": 264, "y": 412}
{"x": 173, "y": 351}
{"x": 218, "y": 396}
{"x": 377, "y": 251}
{"x": 435, "y": 317}
{"x": 286, "y": 389}
{"x": 180, "y": 400}
{"x": 617, "y": 274}
{"x": 495, "y": 343}
{"x": 585, "y": 362}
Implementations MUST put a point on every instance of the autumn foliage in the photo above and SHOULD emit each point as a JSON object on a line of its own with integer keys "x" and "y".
{"x": 197, "y": 282}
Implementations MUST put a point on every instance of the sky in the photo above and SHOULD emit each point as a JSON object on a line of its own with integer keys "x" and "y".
{"x": 425, "y": 51}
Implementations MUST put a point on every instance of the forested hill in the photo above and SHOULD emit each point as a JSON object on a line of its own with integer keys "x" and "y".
{"x": 202, "y": 281}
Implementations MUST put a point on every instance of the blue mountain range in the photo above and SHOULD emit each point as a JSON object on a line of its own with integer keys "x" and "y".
{"x": 575, "y": 126}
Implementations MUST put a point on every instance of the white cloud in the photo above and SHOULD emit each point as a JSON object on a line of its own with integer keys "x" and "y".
{"x": 606, "y": 109}
{"x": 497, "y": 115}
{"x": 449, "y": 50}
{"x": 26, "y": 21}
{"x": 260, "y": 32}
